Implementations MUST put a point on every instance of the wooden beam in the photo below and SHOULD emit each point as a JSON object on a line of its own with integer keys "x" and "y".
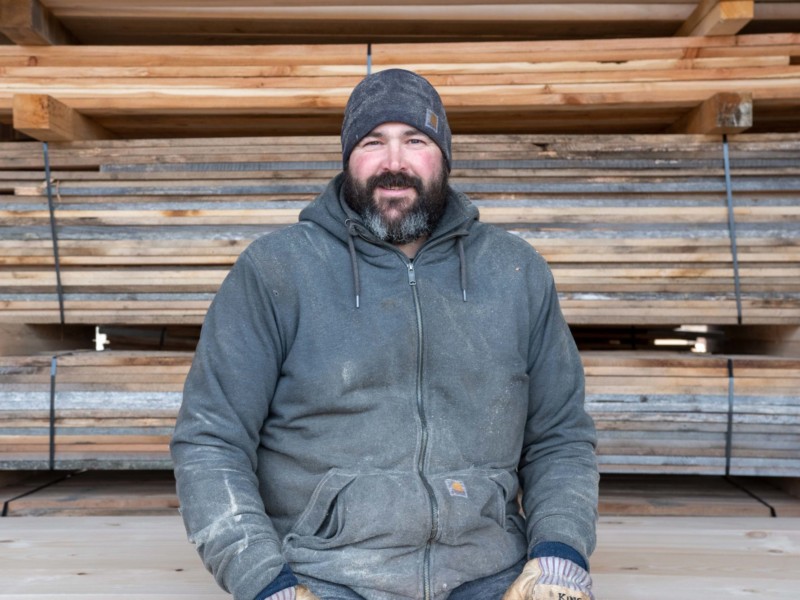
{"x": 722, "y": 113}
{"x": 718, "y": 17}
{"x": 29, "y": 23}
{"x": 47, "y": 119}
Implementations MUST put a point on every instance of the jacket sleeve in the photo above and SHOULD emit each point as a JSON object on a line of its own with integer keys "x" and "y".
{"x": 558, "y": 465}
{"x": 225, "y": 402}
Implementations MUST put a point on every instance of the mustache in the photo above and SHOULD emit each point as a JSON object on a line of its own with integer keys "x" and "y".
{"x": 391, "y": 180}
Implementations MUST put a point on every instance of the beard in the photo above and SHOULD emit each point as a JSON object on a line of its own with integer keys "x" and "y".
{"x": 416, "y": 221}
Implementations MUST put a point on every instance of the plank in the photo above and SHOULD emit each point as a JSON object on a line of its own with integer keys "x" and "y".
{"x": 718, "y": 17}
{"x": 45, "y": 118}
{"x": 29, "y": 22}
{"x": 653, "y": 554}
{"x": 147, "y": 557}
{"x": 681, "y": 495}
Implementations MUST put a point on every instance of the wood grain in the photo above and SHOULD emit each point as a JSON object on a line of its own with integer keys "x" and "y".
{"x": 655, "y": 412}
{"x": 635, "y": 228}
{"x": 139, "y": 558}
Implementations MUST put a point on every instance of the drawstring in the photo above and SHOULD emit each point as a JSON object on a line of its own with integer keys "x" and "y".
{"x": 463, "y": 269}
{"x": 351, "y": 229}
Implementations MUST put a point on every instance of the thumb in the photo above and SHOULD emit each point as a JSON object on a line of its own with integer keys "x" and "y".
{"x": 523, "y": 586}
{"x": 303, "y": 593}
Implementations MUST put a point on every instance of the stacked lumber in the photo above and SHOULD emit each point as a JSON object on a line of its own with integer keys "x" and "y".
{"x": 111, "y": 410}
{"x": 84, "y": 493}
{"x": 686, "y": 495}
{"x": 702, "y": 414}
{"x": 766, "y": 416}
{"x": 655, "y": 412}
{"x": 636, "y": 228}
{"x": 765, "y": 177}
{"x": 601, "y": 86}
{"x": 147, "y": 230}
{"x": 326, "y": 21}
{"x": 658, "y": 413}
{"x": 203, "y": 23}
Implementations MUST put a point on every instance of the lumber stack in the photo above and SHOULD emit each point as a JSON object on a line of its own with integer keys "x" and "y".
{"x": 703, "y": 414}
{"x": 583, "y": 148}
{"x": 111, "y": 410}
{"x": 767, "y": 227}
{"x": 655, "y": 412}
{"x": 766, "y": 411}
{"x": 203, "y": 23}
{"x": 658, "y": 412}
{"x": 568, "y": 86}
{"x": 636, "y": 228}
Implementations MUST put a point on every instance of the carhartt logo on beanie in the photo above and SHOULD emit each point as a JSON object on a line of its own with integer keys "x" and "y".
{"x": 394, "y": 96}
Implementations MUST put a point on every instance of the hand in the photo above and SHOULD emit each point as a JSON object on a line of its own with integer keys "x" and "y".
{"x": 551, "y": 578}
{"x": 303, "y": 593}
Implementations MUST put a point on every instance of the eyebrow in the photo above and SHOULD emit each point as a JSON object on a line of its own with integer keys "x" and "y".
{"x": 411, "y": 131}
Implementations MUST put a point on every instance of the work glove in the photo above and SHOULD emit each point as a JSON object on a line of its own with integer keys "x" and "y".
{"x": 551, "y": 578}
{"x": 303, "y": 593}
{"x": 298, "y": 592}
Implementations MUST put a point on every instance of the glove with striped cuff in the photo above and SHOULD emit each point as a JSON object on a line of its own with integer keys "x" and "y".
{"x": 551, "y": 578}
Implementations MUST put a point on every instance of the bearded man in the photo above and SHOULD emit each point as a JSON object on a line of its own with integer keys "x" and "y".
{"x": 386, "y": 402}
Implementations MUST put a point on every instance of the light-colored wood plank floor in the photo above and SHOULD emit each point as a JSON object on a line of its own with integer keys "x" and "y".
{"x": 638, "y": 558}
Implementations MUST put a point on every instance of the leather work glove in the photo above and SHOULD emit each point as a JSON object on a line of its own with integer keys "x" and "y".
{"x": 298, "y": 592}
{"x": 303, "y": 593}
{"x": 551, "y": 578}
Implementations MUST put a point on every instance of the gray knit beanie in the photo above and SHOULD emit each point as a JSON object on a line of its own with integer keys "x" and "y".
{"x": 394, "y": 96}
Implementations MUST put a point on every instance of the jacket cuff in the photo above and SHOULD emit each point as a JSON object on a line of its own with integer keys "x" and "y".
{"x": 285, "y": 579}
{"x": 561, "y": 551}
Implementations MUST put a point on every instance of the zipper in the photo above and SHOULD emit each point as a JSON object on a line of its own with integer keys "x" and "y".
{"x": 434, "y": 506}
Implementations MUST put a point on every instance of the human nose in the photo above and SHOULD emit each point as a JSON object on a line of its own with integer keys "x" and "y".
{"x": 394, "y": 158}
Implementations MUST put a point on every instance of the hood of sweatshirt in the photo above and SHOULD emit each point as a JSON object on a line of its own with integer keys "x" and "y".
{"x": 331, "y": 212}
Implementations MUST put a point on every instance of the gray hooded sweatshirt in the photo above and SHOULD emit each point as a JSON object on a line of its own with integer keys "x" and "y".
{"x": 383, "y": 447}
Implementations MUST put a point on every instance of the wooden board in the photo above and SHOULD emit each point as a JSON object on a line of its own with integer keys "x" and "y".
{"x": 695, "y": 558}
{"x": 138, "y": 558}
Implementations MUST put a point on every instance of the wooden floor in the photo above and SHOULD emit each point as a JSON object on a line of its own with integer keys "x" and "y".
{"x": 118, "y": 535}
{"x": 638, "y": 558}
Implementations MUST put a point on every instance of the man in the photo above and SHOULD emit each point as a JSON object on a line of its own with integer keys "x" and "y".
{"x": 375, "y": 385}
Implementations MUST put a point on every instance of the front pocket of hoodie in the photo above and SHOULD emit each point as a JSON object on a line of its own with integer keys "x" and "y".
{"x": 367, "y": 510}
{"x": 473, "y": 501}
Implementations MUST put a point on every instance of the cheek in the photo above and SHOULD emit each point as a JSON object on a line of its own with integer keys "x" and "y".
{"x": 429, "y": 165}
{"x": 363, "y": 167}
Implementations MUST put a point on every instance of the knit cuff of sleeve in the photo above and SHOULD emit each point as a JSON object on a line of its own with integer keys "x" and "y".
{"x": 285, "y": 579}
{"x": 561, "y": 551}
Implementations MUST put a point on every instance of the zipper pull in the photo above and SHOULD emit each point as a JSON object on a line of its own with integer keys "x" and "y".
{"x": 412, "y": 276}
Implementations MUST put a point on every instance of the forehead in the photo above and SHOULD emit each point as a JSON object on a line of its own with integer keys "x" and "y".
{"x": 395, "y": 129}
